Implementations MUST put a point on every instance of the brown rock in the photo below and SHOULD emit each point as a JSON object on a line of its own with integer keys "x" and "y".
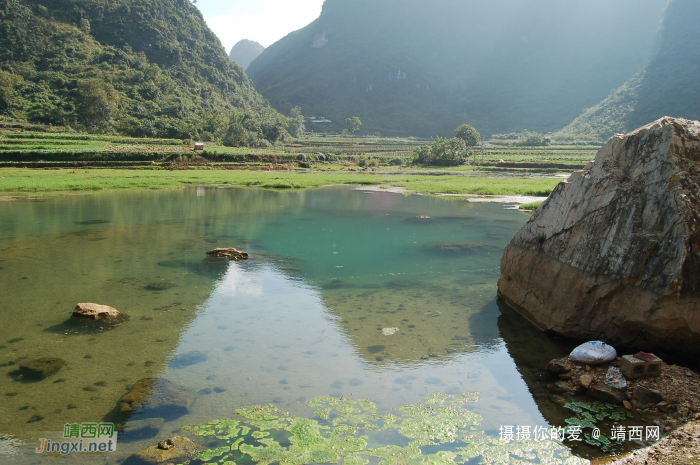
{"x": 648, "y": 396}
{"x": 586, "y": 381}
{"x": 614, "y": 253}
{"x": 559, "y": 365}
{"x": 95, "y": 311}
{"x": 174, "y": 450}
{"x": 603, "y": 392}
{"x": 627, "y": 404}
{"x": 230, "y": 253}
{"x": 663, "y": 406}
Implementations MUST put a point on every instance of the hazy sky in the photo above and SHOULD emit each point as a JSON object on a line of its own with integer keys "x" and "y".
{"x": 264, "y": 21}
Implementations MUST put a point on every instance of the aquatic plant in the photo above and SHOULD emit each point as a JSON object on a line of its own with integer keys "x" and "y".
{"x": 354, "y": 430}
{"x": 590, "y": 415}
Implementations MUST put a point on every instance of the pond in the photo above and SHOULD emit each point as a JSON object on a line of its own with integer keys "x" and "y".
{"x": 349, "y": 294}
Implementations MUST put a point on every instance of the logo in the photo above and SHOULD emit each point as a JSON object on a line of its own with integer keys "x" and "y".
{"x": 82, "y": 437}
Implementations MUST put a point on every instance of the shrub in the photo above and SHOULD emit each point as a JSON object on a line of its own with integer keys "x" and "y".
{"x": 443, "y": 152}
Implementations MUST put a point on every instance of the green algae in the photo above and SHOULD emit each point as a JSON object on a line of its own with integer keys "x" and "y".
{"x": 353, "y": 430}
{"x": 590, "y": 415}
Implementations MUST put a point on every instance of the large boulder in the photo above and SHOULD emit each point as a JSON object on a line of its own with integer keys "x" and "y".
{"x": 614, "y": 252}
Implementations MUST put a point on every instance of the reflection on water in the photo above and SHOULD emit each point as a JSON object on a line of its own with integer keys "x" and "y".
{"x": 329, "y": 270}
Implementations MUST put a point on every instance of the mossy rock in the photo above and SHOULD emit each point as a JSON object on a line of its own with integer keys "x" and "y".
{"x": 155, "y": 398}
{"x": 41, "y": 368}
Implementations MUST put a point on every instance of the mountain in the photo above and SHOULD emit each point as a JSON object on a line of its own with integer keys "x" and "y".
{"x": 244, "y": 52}
{"x": 668, "y": 86}
{"x": 140, "y": 67}
{"x": 411, "y": 67}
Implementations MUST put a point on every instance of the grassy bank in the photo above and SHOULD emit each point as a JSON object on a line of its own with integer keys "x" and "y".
{"x": 20, "y": 180}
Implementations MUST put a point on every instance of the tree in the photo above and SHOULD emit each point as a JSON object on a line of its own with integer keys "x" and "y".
{"x": 9, "y": 83}
{"x": 352, "y": 125}
{"x": 468, "y": 134}
{"x": 97, "y": 102}
{"x": 295, "y": 125}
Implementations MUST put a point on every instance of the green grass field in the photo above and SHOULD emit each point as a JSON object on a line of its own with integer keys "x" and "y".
{"x": 23, "y": 180}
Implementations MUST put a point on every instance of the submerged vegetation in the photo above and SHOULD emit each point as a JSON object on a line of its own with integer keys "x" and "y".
{"x": 354, "y": 431}
{"x": 591, "y": 415}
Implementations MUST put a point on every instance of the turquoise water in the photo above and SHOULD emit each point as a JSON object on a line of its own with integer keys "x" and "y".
{"x": 330, "y": 269}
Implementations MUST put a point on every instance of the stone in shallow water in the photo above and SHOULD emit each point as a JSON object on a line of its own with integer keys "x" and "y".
{"x": 156, "y": 398}
{"x": 159, "y": 286}
{"x": 229, "y": 252}
{"x": 95, "y": 311}
{"x": 41, "y": 368}
{"x": 174, "y": 450}
{"x": 188, "y": 358}
{"x": 144, "y": 428}
{"x": 454, "y": 247}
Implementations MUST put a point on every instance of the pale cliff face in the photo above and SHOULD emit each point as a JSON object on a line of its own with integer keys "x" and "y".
{"x": 627, "y": 225}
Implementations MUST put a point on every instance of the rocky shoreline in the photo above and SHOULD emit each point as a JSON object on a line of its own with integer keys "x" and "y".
{"x": 670, "y": 401}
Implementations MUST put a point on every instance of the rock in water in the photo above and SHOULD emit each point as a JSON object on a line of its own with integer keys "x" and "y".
{"x": 229, "y": 252}
{"x": 95, "y": 311}
{"x": 614, "y": 252}
{"x": 174, "y": 450}
{"x": 155, "y": 398}
{"x": 41, "y": 367}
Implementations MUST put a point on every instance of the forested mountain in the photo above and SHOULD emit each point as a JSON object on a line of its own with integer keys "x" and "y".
{"x": 142, "y": 67}
{"x": 422, "y": 68}
{"x": 244, "y": 52}
{"x": 668, "y": 86}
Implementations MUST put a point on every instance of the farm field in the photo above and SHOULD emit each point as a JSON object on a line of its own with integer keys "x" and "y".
{"x": 74, "y": 162}
{"x": 18, "y": 146}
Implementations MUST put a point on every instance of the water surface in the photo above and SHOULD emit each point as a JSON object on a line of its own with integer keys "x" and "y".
{"x": 330, "y": 269}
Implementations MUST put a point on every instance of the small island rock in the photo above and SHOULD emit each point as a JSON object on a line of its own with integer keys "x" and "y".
{"x": 228, "y": 252}
{"x": 95, "y": 311}
{"x": 174, "y": 450}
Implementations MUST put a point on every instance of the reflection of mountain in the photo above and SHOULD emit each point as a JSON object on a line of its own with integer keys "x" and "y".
{"x": 532, "y": 349}
{"x": 435, "y": 317}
